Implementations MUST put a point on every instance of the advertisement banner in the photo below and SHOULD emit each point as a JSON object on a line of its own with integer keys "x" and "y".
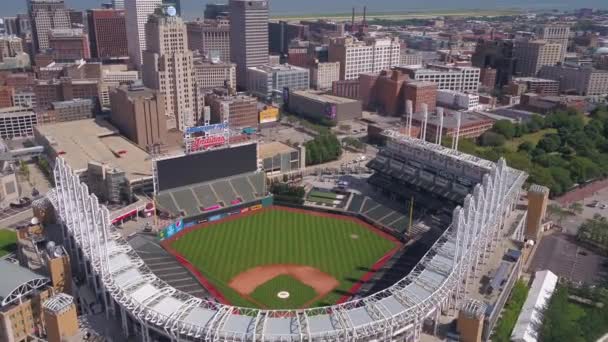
{"x": 171, "y": 230}
{"x": 207, "y": 129}
{"x": 270, "y": 114}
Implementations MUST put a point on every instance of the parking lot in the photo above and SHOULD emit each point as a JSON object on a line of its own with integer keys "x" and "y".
{"x": 561, "y": 254}
{"x": 571, "y": 223}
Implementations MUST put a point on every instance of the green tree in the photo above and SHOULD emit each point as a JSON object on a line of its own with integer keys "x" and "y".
{"x": 560, "y": 319}
{"x": 492, "y": 139}
{"x": 550, "y": 143}
{"x": 562, "y": 177}
{"x": 583, "y": 169}
{"x": 556, "y": 212}
{"x": 576, "y": 208}
{"x": 526, "y": 147}
{"x": 504, "y": 128}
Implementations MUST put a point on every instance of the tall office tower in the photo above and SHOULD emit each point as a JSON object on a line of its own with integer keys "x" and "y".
{"x": 169, "y": 68}
{"x": 248, "y": 36}
{"x": 46, "y": 15}
{"x": 217, "y": 11}
{"x": 137, "y": 12}
{"x": 559, "y": 34}
{"x": 24, "y": 25}
{"x": 108, "y": 33}
{"x": 211, "y": 38}
{"x": 359, "y": 57}
{"x": 532, "y": 55}
{"x": 496, "y": 54}
{"x": 118, "y": 4}
{"x": 10, "y": 26}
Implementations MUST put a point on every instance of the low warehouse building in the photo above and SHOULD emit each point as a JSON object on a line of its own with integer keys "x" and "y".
{"x": 317, "y": 105}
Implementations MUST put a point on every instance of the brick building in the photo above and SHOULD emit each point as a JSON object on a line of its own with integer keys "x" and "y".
{"x": 240, "y": 111}
{"x": 139, "y": 114}
{"x": 6, "y": 96}
{"x": 65, "y": 89}
{"x": 347, "y": 88}
{"x": 421, "y": 92}
{"x": 69, "y": 44}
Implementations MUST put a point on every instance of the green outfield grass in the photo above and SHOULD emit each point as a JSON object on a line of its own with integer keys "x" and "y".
{"x": 339, "y": 247}
{"x": 299, "y": 294}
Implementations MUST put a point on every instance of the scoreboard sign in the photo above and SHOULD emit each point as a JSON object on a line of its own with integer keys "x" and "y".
{"x": 202, "y": 138}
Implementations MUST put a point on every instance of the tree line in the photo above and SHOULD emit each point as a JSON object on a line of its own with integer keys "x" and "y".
{"x": 577, "y": 153}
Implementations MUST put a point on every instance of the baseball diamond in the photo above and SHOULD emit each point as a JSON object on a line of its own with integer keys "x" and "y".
{"x": 311, "y": 255}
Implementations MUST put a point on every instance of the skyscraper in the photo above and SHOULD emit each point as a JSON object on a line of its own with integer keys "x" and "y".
{"x": 169, "y": 68}
{"x": 118, "y": 4}
{"x": 211, "y": 38}
{"x": 248, "y": 36}
{"x": 558, "y": 34}
{"x": 46, "y": 15}
{"x": 108, "y": 33}
{"x": 532, "y": 55}
{"x": 137, "y": 12}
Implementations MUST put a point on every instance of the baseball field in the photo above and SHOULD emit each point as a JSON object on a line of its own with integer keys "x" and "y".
{"x": 281, "y": 258}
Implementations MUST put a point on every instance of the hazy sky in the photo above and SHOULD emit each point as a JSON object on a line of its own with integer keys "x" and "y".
{"x": 194, "y": 8}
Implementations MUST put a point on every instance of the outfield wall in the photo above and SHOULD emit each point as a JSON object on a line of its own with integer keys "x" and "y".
{"x": 216, "y": 215}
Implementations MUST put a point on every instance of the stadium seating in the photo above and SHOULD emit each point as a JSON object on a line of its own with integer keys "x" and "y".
{"x": 356, "y": 203}
{"x": 205, "y": 195}
{"x": 243, "y": 188}
{"x": 368, "y": 205}
{"x": 378, "y": 213}
{"x": 224, "y": 192}
{"x": 258, "y": 181}
{"x": 165, "y": 201}
{"x": 186, "y": 201}
{"x": 195, "y": 199}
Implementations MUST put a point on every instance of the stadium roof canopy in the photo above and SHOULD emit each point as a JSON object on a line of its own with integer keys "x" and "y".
{"x": 17, "y": 282}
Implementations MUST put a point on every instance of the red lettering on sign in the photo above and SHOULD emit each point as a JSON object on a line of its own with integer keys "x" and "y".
{"x": 201, "y": 143}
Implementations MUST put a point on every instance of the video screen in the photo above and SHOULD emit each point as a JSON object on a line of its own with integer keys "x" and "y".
{"x": 204, "y": 167}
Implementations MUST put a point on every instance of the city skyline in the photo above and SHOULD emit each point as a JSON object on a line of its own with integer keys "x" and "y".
{"x": 194, "y": 8}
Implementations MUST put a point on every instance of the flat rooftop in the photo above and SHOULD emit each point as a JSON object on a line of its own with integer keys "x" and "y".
{"x": 271, "y": 149}
{"x": 82, "y": 141}
{"x": 532, "y": 79}
{"x": 321, "y": 97}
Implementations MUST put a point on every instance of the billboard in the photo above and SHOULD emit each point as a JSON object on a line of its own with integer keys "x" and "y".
{"x": 207, "y": 166}
{"x": 331, "y": 111}
{"x": 270, "y": 114}
{"x": 171, "y": 230}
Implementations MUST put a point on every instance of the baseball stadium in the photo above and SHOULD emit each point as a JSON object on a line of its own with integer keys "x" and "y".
{"x": 232, "y": 265}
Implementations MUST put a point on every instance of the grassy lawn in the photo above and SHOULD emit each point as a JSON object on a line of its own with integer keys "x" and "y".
{"x": 534, "y": 138}
{"x": 321, "y": 200}
{"x": 341, "y": 248}
{"x": 8, "y": 242}
{"x": 321, "y": 194}
{"x": 299, "y": 293}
